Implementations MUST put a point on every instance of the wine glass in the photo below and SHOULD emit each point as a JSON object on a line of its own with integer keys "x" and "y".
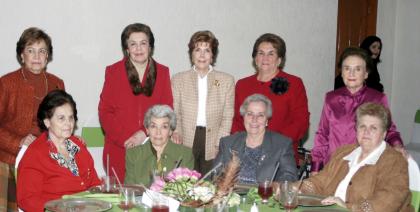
{"x": 127, "y": 198}
{"x": 288, "y": 195}
{"x": 160, "y": 205}
{"x": 265, "y": 190}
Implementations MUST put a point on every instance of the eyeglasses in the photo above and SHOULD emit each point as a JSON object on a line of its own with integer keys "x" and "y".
{"x": 257, "y": 116}
{"x": 32, "y": 52}
{"x": 134, "y": 45}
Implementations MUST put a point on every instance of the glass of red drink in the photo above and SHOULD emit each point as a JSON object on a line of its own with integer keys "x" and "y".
{"x": 265, "y": 190}
{"x": 160, "y": 205}
{"x": 288, "y": 195}
{"x": 127, "y": 199}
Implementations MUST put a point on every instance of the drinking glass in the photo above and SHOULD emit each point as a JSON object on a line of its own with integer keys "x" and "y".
{"x": 127, "y": 198}
{"x": 265, "y": 190}
{"x": 160, "y": 205}
{"x": 109, "y": 184}
{"x": 288, "y": 195}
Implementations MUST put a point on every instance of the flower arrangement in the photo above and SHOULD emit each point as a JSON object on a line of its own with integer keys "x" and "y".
{"x": 182, "y": 184}
{"x": 186, "y": 186}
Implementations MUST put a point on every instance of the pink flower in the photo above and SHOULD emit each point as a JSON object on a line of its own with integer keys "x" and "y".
{"x": 195, "y": 175}
{"x": 157, "y": 185}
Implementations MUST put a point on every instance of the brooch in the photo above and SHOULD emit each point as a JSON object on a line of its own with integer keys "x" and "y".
{"x": 216, "y": 83}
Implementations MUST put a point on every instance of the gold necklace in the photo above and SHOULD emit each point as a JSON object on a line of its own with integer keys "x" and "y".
{"x": 46, "y": 83}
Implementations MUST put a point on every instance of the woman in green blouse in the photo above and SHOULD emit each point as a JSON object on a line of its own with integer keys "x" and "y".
{"x": 158, "y": 155}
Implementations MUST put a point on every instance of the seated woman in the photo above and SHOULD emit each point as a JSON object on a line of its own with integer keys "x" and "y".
{"x": 368, "y": 176}
{"x": 160, "y": 155}
{"x": 258, "y": 149}
{"x": 56, "y": 163}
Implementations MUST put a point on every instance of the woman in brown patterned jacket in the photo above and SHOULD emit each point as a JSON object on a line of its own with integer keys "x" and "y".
{"x": 368, "y": 176}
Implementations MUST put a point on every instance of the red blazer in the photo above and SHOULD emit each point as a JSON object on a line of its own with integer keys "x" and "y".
{"x": 290, "y": 110}
{"x": 121, "y": 113}
{"x": 40, "y": 178}
{"x": 17, "y": 110}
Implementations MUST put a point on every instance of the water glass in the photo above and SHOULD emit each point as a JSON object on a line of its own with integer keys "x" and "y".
{"x": 127, "y": 199}
{"x": 288, "y": 195}
{"x": 109, "y": 184}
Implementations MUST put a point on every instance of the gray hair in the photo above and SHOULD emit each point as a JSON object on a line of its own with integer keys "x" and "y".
{"x": 160, "y": 111}
{"x": 257, "y": 98}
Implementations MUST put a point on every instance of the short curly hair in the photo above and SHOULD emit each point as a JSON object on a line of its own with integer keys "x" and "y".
{"x": 30, "y": 36}
{"x": 376, "y": 110}
{"x": 277, "y": 42}
{"x": 257, "y": 98}
{"x": 54, "y": 99}
{"x": 160, "y": 111}
{"x": 206, "y": 37}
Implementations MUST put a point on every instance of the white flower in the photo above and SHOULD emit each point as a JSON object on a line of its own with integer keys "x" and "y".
{"x": 203, "y": 193}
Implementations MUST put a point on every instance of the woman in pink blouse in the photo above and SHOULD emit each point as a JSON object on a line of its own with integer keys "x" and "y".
{"x": 337, "y": 124}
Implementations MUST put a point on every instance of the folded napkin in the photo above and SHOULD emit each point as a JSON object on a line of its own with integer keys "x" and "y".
{"x": 112, "y": 198}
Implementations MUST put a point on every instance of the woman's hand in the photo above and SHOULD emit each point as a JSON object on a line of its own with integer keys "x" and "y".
{"x": 27, "y": 140}
{"x": 334, "y": 200}
{"x": 176, "y": 138}
{"x": 135, "y": 140}
{"x": 313, "y": 173}
{"x": 402, "y": 150}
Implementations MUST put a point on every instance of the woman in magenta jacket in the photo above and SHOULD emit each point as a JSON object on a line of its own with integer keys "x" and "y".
{"x": 132, "y": 85}
{"x": 338, "y": 120}
{"x": 56, "y": 163}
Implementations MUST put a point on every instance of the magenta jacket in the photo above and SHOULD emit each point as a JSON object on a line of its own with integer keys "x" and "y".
{"x": 337, "y": 126}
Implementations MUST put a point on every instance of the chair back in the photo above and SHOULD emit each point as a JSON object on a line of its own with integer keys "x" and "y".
{"x": 415, "y": 200}
{"x": 94, "y": 138}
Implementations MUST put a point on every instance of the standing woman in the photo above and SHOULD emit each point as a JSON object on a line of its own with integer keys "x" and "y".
{"x": 286, "y": 92}
{"x": 337, "y": 123}
{"x": 132, "y": 85}
{"x": 203, "y": 101}
{"x": 373, "y": 45}
{"x": 21, "y": 92}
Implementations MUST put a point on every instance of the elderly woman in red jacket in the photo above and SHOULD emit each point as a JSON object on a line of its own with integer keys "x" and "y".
{"x": 132, "y": 85}
{"x": 56, "y": 163}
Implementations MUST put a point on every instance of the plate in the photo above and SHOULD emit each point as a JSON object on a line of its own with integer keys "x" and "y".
{"x": 79, "y": 205}
{"x": 138, "y": 189}
{"x": 243, "y": 189}
{"x": 311, "y": 201}
{"x": 100, "y": 189}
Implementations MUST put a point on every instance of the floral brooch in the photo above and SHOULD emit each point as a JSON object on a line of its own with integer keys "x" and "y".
{"x": 279, "y": 85}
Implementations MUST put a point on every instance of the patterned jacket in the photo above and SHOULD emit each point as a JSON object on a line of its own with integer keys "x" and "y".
{"x": 17, "y": 111}
{"x": 219, "y": 107}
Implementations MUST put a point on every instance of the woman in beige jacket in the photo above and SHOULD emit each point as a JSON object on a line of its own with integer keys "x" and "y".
{"x": 203, "y": 101}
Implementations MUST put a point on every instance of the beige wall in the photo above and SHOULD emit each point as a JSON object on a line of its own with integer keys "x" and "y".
{"x": 86, "y": 35}
{"x": 399, "y": 28}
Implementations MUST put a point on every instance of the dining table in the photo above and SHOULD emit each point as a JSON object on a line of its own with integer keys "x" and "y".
{"x": 244, "y": 206}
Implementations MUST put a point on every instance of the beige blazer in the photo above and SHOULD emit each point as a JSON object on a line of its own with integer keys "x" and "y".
{"x": 219, "y": 107}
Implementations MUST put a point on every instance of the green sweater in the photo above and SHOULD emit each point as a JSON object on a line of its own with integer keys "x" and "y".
{"x": 140, "y": 161}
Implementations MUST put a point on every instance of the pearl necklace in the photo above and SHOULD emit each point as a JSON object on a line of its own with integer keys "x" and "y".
{"x": 46, "y": 83}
